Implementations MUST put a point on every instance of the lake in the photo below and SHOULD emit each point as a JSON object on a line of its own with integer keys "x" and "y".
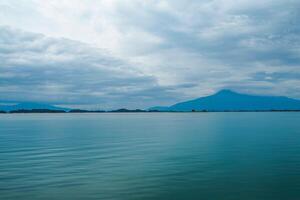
{"x": 159, "y": 156}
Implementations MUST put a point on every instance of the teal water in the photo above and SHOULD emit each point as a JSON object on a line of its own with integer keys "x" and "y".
{"x": 150, "y": 156}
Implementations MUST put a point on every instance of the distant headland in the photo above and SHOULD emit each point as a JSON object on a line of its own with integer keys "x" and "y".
{"x": 222, "y": 101}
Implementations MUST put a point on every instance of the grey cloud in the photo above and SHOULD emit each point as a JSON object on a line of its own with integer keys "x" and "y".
{"x": 276, "y": 77}
{"x": 264, "y": 32}
{"x": 36, "y": 68}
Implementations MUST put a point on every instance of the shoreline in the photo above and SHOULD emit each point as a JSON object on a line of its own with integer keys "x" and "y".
{"x": 107, "y": 112}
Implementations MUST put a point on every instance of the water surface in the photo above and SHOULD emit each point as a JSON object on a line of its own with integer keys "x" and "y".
{"x": 150, "y": 156}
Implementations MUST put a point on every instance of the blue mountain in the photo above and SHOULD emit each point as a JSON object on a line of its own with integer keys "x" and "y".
{"x": 227, "y": 100}
{"x": 30, "y": 106}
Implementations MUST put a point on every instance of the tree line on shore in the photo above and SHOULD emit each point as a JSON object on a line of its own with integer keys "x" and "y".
{"x": 72, "y": 111}
{"x": 124, "y": 110}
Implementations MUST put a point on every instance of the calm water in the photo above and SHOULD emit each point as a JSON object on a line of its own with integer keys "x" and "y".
{"x": 150, "y": 156}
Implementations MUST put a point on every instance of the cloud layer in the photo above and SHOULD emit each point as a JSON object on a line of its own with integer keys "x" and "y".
{"x": 61, "y": 71}
{"x": 141, "y": 53}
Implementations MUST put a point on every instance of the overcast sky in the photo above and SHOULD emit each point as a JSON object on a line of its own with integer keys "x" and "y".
{"x": 143, "y": 53}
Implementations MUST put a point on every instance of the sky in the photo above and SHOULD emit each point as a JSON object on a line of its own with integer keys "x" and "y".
{"x": 105, "y": 54}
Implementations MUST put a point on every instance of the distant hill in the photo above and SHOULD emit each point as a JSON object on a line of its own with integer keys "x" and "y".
{"x": 30, "y": 106}
{"x": 224, "y": 100}
{"x": 37, "y": 111}
{"x": 127, "y": 110}
{"x": 227, "y": 100}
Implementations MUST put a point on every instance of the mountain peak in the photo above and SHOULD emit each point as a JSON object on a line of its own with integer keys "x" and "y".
{"x": 228, "y": 100}
{"x": 226, "y": 92}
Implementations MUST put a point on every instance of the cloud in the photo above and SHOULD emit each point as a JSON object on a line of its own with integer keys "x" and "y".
{"x": 38, "y": 68}
{"x": 155, "y": 47}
